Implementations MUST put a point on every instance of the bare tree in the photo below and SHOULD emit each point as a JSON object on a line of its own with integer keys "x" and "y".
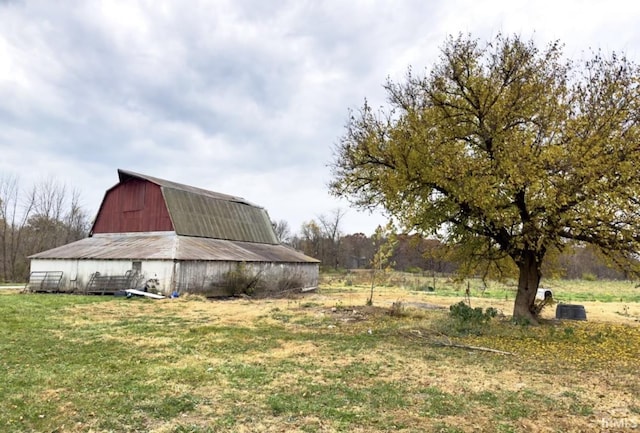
{"x": 282, "y": 230}
{"x": 332, "y": 234}
{"x": 43, "y": 217}
{"x": 76, "y": 220}
{"x": 13, "y": 219}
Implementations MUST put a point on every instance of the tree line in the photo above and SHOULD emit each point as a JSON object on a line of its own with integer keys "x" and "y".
{"x": 34, "y": 219}
{"x": 324, "y": 239}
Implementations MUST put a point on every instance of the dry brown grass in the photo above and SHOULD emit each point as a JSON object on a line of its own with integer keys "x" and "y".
{"x": 276, "y": 365}
{"x": 470, "y": 373}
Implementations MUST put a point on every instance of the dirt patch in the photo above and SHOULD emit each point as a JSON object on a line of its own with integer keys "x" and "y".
{"x": 354, "y": 313}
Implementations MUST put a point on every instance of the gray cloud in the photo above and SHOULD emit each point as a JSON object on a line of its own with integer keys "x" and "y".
{"x": 244, "y": 97}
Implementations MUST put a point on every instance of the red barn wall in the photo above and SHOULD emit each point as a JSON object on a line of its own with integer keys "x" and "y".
{"x": 133, "y": 206}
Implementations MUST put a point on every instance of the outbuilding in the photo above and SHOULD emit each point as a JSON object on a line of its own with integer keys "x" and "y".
{"x": 167, "y": 237}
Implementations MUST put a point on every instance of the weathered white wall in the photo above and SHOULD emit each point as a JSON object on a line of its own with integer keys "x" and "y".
{"x": 209, "y": 278}
{"x": 76, "y": 273}
{"x": 202, "y": 277}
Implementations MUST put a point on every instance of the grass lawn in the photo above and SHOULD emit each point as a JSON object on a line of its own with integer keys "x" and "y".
{"x": 322, "y": 362}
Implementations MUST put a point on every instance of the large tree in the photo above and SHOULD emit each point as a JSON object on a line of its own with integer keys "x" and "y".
{"x": 508, "y": 151}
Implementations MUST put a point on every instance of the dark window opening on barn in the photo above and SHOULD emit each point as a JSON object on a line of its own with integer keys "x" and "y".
{"x": 136, "y": 267}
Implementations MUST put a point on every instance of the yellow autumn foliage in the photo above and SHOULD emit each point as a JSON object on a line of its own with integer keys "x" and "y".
{"x": 574, "y": 345}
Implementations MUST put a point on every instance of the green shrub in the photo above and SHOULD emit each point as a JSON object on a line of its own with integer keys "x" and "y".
{"x": 470, "y": 320}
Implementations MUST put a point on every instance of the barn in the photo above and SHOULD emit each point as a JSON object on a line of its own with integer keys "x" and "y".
{"x": 166, "y": 237}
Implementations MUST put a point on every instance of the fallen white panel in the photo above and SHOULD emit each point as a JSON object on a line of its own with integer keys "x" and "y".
{"x": 146, "y": 294}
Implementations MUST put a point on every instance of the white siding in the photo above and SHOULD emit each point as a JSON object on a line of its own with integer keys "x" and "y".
{"x": 208, "y": 278}
{"x": 76, "y": 273}
{"x": 204, "y": 277}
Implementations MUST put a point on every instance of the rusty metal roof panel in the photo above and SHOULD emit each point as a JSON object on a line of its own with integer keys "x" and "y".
{"x": 169, "y": 246}
{"x": 154, "y": 246}
{"x": 194, "y": 248}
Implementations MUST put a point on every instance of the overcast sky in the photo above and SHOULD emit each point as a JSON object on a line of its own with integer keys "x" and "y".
{"x": 241, "y": 97}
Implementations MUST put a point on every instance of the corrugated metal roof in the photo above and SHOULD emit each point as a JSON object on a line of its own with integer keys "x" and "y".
{"x": 200, "y": 215}
{"x": 170, "y": 246}
{"x": 198, "y": 212}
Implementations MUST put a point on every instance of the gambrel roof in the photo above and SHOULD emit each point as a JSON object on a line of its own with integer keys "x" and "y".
{"x": 192, "y": 211}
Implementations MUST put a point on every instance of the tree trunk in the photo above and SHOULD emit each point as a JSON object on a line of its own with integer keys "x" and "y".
{"x": 529, "y": 267}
